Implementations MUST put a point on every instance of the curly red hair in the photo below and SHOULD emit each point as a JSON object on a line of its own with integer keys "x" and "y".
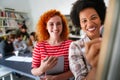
{"x": 41, "y": 30}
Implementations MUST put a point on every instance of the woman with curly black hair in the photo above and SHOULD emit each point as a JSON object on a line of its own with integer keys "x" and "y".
{"x": 89, "y": 15}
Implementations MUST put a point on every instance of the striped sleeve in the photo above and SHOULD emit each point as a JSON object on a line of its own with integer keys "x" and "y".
{"x": 36, "y": 56}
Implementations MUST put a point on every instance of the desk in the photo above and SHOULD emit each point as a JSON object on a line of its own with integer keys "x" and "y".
{"x": 23, "y": 68}
{"x": 5, "y": 72}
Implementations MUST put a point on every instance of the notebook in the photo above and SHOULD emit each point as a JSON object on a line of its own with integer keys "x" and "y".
{"x": 58, "y": 68}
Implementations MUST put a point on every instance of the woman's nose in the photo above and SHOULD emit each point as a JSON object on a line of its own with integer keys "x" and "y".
{"x": 90, "y": 23}
{"x": 55, "y": 26}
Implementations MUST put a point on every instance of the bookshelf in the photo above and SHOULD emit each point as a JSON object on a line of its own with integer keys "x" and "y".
{"x": 9, "y": 20}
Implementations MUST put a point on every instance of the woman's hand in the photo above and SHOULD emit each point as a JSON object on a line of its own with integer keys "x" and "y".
{"x": 92, "y": 56}
{"x": 92, "y": 49}
{"x": 51, "y": 77}
{"x": 48, "y": 63}
{"x": 62, "y": 76}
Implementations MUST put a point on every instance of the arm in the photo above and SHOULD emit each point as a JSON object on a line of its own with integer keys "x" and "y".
{"x": 15, "y": 44}
{"x": 41, "y": 66}
{"x": 92, "y": 49}
{"x": 36, "y": 61}
{"x": 62, "y": 76}
{"x": 37, "y": 71}
{"x": 76, "y": 61}
{"x": 24, "y": 45}
{"x": 18, "y": 46}
{"x": 46, "y": 64}
{"x": 92, "y": 56}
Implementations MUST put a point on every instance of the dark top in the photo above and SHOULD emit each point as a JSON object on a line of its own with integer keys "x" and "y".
{"x": 25, "y": 35}
{"x": 6, "y": 48}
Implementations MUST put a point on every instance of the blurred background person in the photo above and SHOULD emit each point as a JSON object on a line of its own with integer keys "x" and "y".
{"x": 19, "y": 44}
{"x": 6, "y": 46}
{"x": 23, "y": 30}
{"x": 32, "y": 40}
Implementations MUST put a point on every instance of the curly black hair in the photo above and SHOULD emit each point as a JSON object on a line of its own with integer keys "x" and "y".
{"x": 80, "y": 5}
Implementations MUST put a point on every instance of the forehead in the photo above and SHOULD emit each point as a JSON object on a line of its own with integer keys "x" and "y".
{"x": 55, "y": 18}
{"x": 88, "y": 12}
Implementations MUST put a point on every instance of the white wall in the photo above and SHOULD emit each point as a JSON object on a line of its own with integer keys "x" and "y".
{"x": 107, "y": 2}
{"x": 40, "y": 6}
{"x": 20, "y": 5}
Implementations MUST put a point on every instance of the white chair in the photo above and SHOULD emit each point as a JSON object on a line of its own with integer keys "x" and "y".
{"x": 5, "y": 72}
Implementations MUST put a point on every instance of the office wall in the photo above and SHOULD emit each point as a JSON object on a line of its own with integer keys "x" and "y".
{"x": 40, "y": 6}
{"x": 20, "y": 5}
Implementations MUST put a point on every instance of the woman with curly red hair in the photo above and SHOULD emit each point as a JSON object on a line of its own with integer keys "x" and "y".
{"x": 52, "y": 33}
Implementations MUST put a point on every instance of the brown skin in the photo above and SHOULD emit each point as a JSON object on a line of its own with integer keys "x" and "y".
{"x": 92, "y": 56}
{"x": 90, "y": 22}
{"x": 92, "y": 51}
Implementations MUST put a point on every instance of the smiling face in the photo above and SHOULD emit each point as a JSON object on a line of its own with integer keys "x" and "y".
{"x": 54, "y": 26}
{"x": 90, "y": 22}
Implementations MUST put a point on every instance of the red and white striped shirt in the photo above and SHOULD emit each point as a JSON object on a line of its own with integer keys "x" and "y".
{"x": 43, "y": 49}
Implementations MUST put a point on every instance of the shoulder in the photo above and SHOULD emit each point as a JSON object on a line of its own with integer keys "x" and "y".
{"x": 23, "y": 41}
{"x": 40, "y": 44}
{"x": 78, "y": 43}
{"x": 68, "y": 42}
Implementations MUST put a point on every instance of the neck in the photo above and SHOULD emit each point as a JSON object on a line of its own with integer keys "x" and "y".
{"x": 95, "y": 37}
{"x": 54, "y": 41}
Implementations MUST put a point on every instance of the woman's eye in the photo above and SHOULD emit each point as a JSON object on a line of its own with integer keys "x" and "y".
{"x": 83, "y": 21}
{"x": 51, "y": 24}
{"x": 59, "y": 23}
{"x": 94, "y": 17}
